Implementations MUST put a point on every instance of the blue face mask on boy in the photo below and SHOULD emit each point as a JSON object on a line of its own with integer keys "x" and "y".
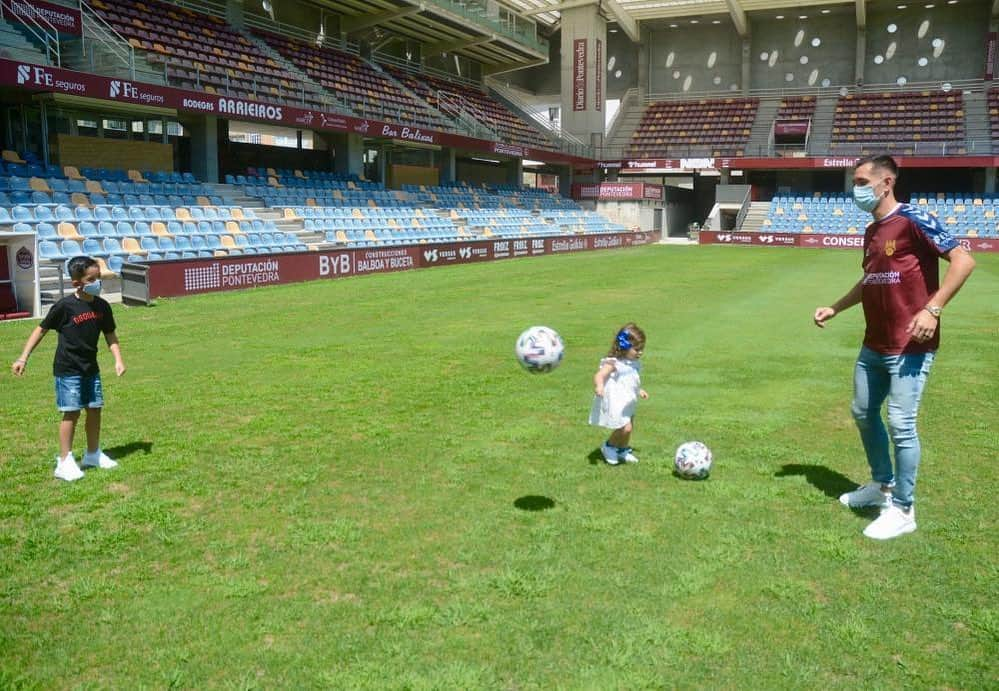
{"x": 93, "y": 288}
{"x": 865, "y": 198}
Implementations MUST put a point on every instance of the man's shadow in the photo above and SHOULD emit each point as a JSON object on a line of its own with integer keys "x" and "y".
{"x": 128, "y": 449}
{"x": 829, "y": 482}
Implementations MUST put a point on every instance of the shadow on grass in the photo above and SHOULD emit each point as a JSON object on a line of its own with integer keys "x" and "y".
{"x": 117, "y": 452}
{"x": 597, "y": 458}
{"x": 533, "y": 502}
{"x": 829, "y": 482}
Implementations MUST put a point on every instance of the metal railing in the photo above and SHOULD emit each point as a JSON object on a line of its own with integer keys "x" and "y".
{"x": 957, "y": 85}
{"x": 100, "y": 31}
{"x": 467, "y": 114}
{"x": 38, "y": 26}
{"x": 506, "y": 22}
{"x": 627, "y": 98}
{"x": 744, "y": 209}
{"x": 565, "y": 140}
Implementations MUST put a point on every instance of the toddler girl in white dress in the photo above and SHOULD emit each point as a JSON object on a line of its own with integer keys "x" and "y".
{"x": 618, "y": 386}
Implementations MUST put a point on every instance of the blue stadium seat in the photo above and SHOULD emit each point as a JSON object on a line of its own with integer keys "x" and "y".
{"x": 70, "y": 248}
{"x": 115, "y": 263}
{"x": 50, "y": 251}
{"x": 113, "y": 247}
{"x": 92, "y": 247}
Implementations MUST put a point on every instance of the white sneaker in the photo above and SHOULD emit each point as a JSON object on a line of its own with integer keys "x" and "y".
{"x": 610, "y": 453}
{"x": 870, "y": 494}
{"x": 66, "y": 468}
{"x": 892, "y": 522}
{"x": 627, "y": 455}
{"x": 98, "y": 460}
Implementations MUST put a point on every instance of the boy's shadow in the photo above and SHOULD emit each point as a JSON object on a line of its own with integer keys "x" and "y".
{"x": 829, "y": 482}
{"x": 128, "y": 449}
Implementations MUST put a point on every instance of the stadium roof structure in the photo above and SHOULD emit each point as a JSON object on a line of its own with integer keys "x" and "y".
{"x": 628, "y": 13}
{"x": 500, "y": 40}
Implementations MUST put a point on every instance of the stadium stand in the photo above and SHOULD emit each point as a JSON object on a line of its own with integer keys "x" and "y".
{"x": 718, "y": 127}
{"x": 200, "y": 51}
{"x": 454, "y": 99}
{"x": 993, "y": 105}
{"x": 928, "y": 123}
{"x": 964, "y": 216}
{"x": 365, "y": 89}
{"x": 796, "y": 108}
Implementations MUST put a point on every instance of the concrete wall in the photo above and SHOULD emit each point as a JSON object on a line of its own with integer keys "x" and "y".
{"x": 796, "y": 53}
{"x": 943, "y": 43}
{"x": 694, "y": 58}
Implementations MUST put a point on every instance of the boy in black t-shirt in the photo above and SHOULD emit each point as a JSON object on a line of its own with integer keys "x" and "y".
{"x": 80, "y": 319}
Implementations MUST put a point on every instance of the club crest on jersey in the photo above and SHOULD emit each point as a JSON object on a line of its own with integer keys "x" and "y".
{"x": 889, "y": 248}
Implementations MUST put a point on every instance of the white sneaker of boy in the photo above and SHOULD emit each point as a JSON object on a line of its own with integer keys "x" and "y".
{"x": 866, "y": 495}
{"x": 610, "y": 453}
{"x": 98, "y": 460}
{"x": 628, "y": 456}
{"x": 66, "y": 468}
{"x": 892, "y": 522}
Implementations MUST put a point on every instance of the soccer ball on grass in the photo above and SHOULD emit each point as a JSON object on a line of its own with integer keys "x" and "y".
{"x": 539, "y": 349}
{"x": 692, "y": 460}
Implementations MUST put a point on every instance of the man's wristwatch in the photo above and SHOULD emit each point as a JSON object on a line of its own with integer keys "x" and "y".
{"x": 934, "y": 310}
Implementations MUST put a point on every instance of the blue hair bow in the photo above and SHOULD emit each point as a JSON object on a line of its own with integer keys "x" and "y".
{"x": 623, "y": 340}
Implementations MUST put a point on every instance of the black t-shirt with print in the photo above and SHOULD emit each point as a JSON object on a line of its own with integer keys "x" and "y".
{"x": 80, "y": 325}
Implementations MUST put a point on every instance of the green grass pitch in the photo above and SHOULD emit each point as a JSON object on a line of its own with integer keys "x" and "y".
{"x": 352, "y": 484}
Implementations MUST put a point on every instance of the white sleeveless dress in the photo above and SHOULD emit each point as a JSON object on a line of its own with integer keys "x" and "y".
{"x": 617, "y": 406}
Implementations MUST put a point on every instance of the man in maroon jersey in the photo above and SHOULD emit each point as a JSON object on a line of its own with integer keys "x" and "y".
{"x": 902, "y": 298}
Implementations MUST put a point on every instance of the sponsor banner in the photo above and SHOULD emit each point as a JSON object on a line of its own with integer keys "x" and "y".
{"x": 656, "y": 165}
{"x": 818, "y": 241}
{"x": 609, "y": 165}
{"x": 618, "y": 191}
{"x": 791, "y": 128}
{"x": 65, "y": 20}
{"x": 579, "y": 74}
{"x": 42, "y": 78}
{"x": 990, "y": 55}
{"x": 192, "y": 276}
{"x": 598, "y": 76}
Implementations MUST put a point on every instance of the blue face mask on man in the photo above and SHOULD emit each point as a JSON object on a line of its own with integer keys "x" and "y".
{"x": 93, "y": 288}
{"x": 865, "y": 198}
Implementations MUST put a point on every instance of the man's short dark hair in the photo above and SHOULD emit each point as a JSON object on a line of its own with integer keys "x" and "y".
{"x": 77, "y": 266}
{"x": 882, "y": 162}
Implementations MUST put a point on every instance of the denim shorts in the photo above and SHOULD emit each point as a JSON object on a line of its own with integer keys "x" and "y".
{"x": 77, "y": 392}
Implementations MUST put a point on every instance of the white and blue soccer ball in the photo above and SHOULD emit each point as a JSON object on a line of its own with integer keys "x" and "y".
{"x": 539, "y": 349}
{"x": 693, "y": 460}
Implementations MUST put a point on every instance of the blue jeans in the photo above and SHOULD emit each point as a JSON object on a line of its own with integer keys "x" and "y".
{"x": 900, "y": 379}
{"x": 78, "y": 392}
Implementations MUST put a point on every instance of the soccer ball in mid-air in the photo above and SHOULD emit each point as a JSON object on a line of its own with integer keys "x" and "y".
{"x": 692, "y": 460}
{"x": 539, "y": 349}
